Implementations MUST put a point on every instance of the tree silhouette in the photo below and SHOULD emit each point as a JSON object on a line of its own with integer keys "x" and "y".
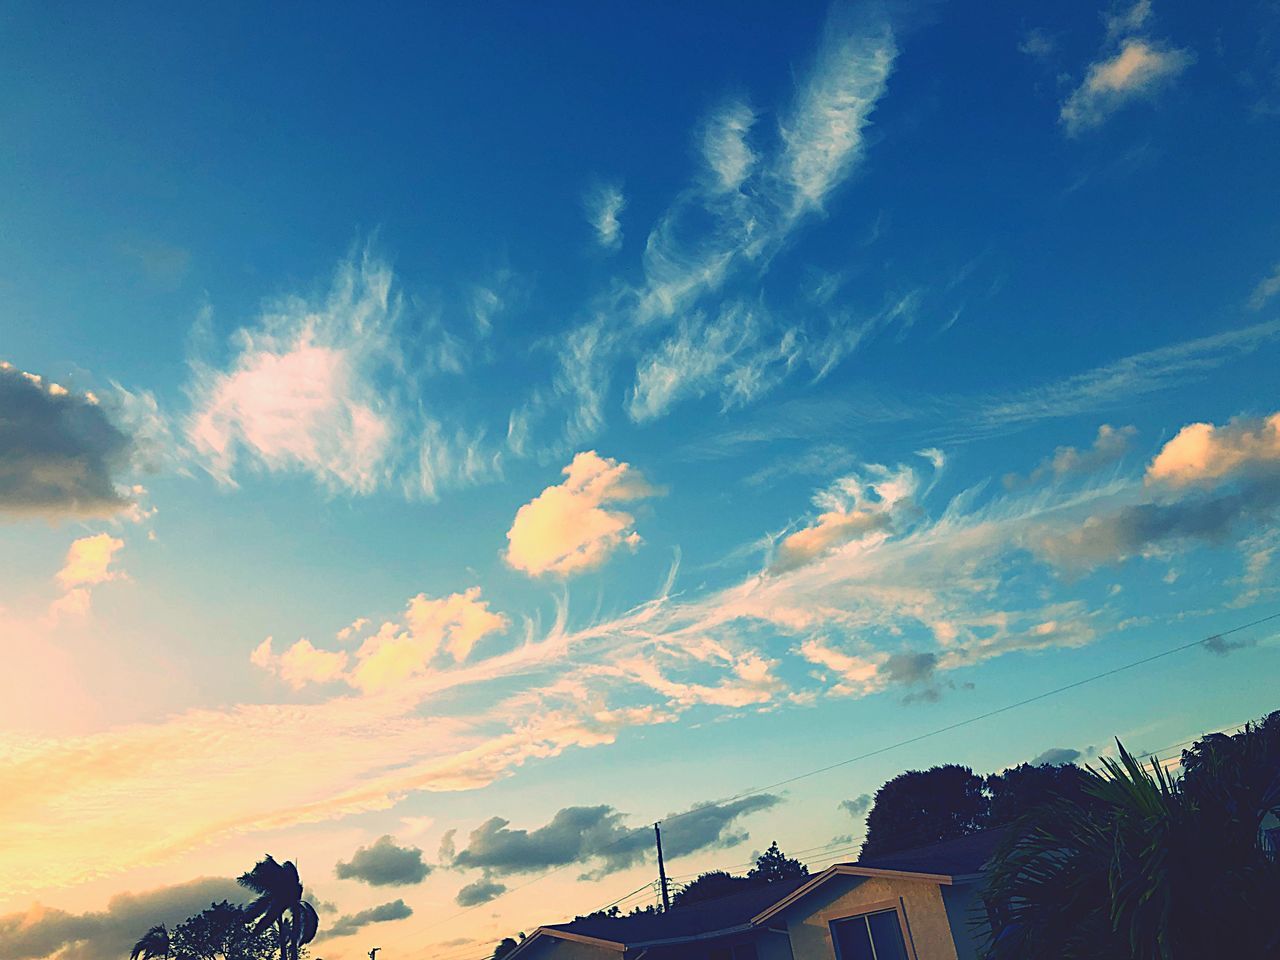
{"x": 220, "y": 933}
{"x": 922, "y": 807}
{"x": 1147, "y": 869}
{"x": 1015, "y": 791}
{"x": 153, "y": 943}
{"x": 280, "y": 903}
{"x": 505, "y": 947}
{"x": 709, "y": 886}
{"x": 772, "y": 866}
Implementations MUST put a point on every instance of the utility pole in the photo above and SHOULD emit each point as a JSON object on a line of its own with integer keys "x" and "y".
{"x": 662, "y": 870}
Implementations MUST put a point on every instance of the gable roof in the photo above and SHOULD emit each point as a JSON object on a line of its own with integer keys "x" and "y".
{"x": 953, "y": 858}
{"x": 946, "y": 863}
{"x": 694, "y": 921}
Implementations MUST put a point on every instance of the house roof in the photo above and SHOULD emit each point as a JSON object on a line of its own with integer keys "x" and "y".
{"x": 952, "y": 861}
{"x": 952, "y": 858}
{"x": 946, "y": 863}
{"x": 703, "y": 919}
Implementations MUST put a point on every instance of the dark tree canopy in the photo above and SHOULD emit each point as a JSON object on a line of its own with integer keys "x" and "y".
{"x": 1151, "y": 868}
{"x": 773, "y": 865}
{"x": 220, "y": 933}
{"x": 505, "y": 947}
{"x": 1016, "y": 791}
{"x": 920, "y": 807}
{"x": 710, "y": 886}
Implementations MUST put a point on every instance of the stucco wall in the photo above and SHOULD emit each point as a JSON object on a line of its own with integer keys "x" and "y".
{"x": 964, "y": 908}
{"x": 808, "y": 920}
{"x": 773, "y": 946}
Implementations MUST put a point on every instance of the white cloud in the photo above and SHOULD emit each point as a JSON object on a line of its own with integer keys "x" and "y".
{"x": 823, "y": 133}
{"x": 856, "y": 507}
{"x": 727, "y": 354}
{"x": 1267, "y": 288}
{"x": 1128, "y": 20}
{"x": 605, "y": 204}
{"x": 1138, "y": 70}
{"x": 301, "y": 663}
{"x": 1202, "y": 453}
{"x": 396, "y": 652}
{"x": 569, "y": 528}
{"x": 89, "y": 560}
{"x": 300, "y": 391}
{"x": 1120, "y": 382}
{"x": 727, "y": 225}
{"x": 326, "y": 386}
{"x": 725, "y": 148}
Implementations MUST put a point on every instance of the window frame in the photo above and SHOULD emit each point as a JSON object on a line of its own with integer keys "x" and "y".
{"x": 866, "y": 910}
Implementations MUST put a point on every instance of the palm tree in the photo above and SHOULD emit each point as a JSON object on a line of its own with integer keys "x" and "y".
{"x": 1141, "y": 869}
{"x": 280, "y": 902}
{"x": 153, "y": 943}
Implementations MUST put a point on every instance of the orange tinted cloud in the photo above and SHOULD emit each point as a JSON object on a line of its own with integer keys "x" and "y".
{"x": 569, "y": 528}
{"x": 1204, "y": 453}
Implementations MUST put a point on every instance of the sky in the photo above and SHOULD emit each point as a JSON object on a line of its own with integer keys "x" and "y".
{"x": 437, "y": 443}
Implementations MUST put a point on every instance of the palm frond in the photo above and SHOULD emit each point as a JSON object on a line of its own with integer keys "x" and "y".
{"x": 153, "y": 943}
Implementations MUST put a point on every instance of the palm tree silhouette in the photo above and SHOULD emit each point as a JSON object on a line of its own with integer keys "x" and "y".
{"x": 153, "y": 943}
{"x": 280, "y": 902}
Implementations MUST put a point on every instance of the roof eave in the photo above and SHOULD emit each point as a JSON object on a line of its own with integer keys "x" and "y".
{"x": 566, "y": 935}
{"x": 853, "y": 870}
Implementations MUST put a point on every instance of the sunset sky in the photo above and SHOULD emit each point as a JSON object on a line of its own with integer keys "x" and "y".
{"x": 435, "y": 442}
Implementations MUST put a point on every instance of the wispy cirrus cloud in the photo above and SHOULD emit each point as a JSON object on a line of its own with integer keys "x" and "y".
{"x": 1267, "y": 288}
{"x": 728, "y": 155}
{"x": 604, "y": 204}
{"x": 330, "y": 386}
{"x": 740, "y": 210}
{"x": 950, "y": 585}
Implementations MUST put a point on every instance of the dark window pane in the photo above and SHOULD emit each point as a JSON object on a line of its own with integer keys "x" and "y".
{"x": 744, "y": 951}
{"x": 886, "y": 931}
{"x": 719, "y": 953}
{"x": 852, "y": 940}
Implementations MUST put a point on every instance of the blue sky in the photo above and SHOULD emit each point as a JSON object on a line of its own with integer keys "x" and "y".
{"x": 573, "y": 416}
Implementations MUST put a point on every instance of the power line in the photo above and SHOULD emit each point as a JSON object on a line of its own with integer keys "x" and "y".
{"x": 836, "y": 850}
{"x": 896, "y": 745}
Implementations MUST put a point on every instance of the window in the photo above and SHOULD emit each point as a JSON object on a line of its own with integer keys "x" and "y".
{"x": 872, "y": 936}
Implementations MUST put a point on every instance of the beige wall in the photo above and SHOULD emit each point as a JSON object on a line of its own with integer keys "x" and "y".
{"x": 843, "y": 896}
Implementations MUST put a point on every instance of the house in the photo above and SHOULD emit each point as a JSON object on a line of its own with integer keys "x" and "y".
{"x": 914, "y": 905}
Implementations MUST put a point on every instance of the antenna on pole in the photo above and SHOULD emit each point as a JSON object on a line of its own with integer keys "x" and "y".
{"x": 662, "y": 870}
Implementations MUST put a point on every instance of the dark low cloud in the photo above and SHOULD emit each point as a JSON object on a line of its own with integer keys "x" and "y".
{"x": 857, "y": 806}
{"x": 597, "y": 833}
{"x": 108, "y": 934}
{"x": 1223, "y": 646}
{"x": 60, "y": 454}
{"x": 482, "y": 891}
{"x": 1135, "y": 529}
{"x": 1057, "y": 755}
{"x": 349, "y": 924}
{"x": 910, "y": 668}
{"x": 384, "y": 865}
